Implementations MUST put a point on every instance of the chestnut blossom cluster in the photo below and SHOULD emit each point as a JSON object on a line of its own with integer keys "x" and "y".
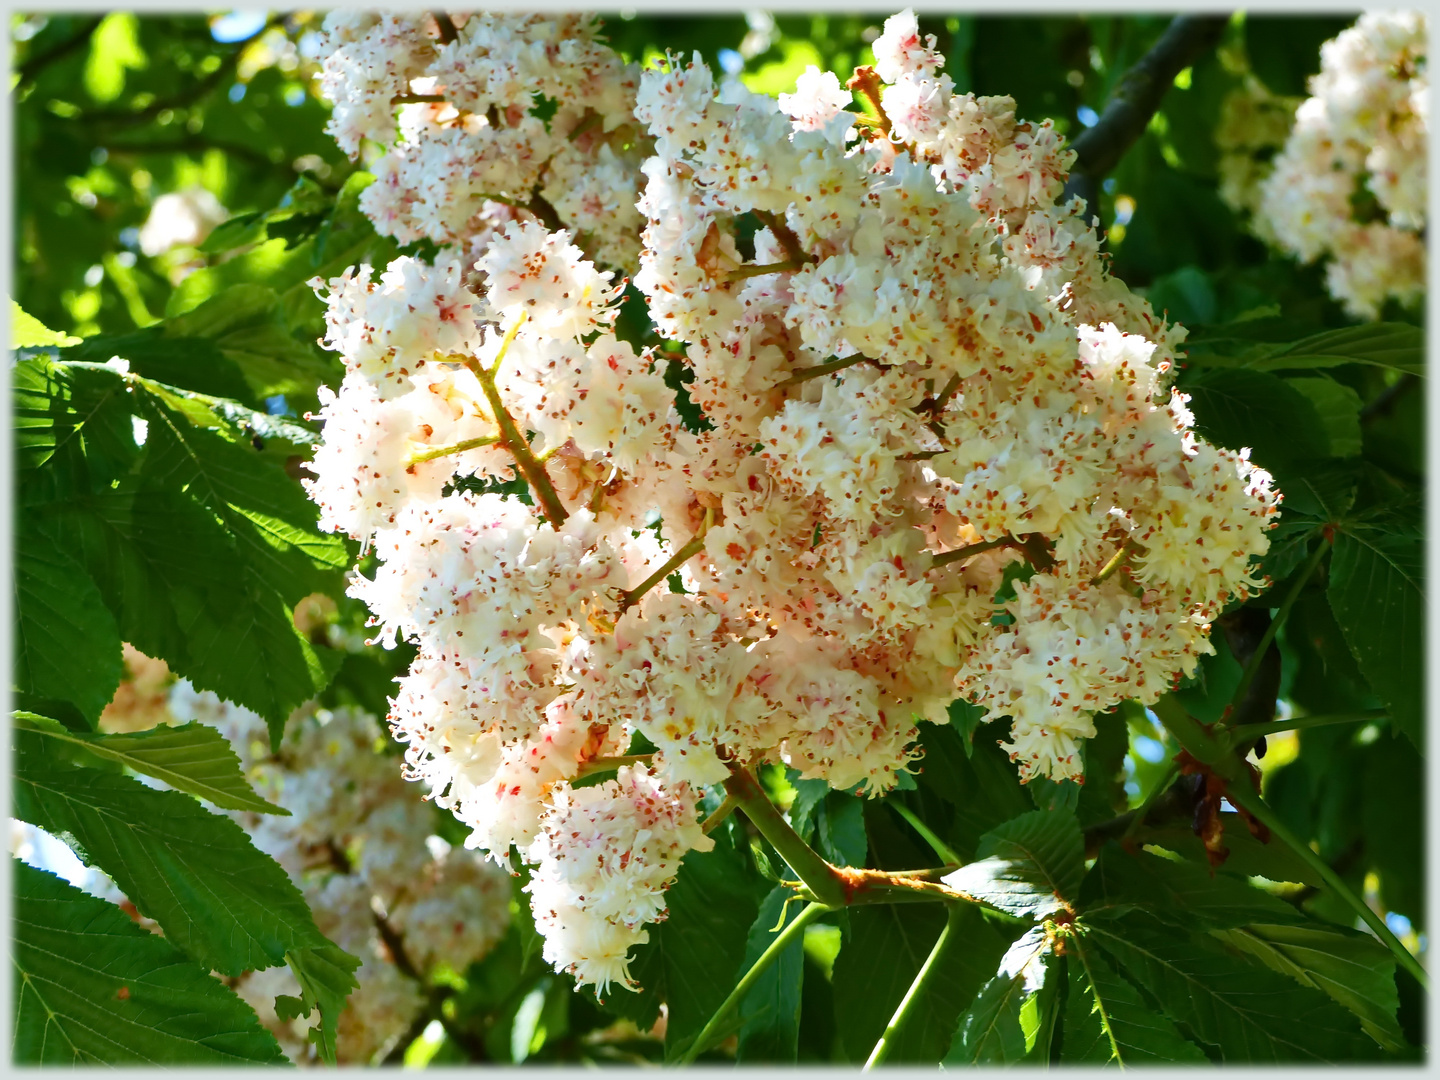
{"x": 1254, "y": 124}
{"x": 451, "y": 107}
{"x": 938, "y": 455}
{"x": 1350, "y": 184}
{"x": 361, "y": 849}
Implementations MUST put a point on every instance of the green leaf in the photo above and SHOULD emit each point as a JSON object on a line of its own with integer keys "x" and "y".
{"x": 840, "y": 828}
{"x": 883, "y": 954}
{"x": 1397, "y": 346}
{"x": 1338, "y": 407}
{"x": 189, "y": 362}
{"x": 1323, "y": 493}
{"x": 66, "y": 643}
{"x": 267, "y": 512}
{"x": 194, "y": 758}
{"x": 1237, "y": 408}
{"x": 171, "y": 573}
{"x": 1184, "y": 893}
{"x": 75, "y": 419}
{"x": 980, "y": 783}
{"x": 326, "y": 977}
{"x": 770, "y": 1011}
{"x": 966, "y": 718}
{"x": 1030, "y": 866}
{"x": 1106, "y": 1020}
{"x": 1377, "y": 593}
{"x": 245, "y": 324}
{"x": 1352, "y": 968}
{"x": 712, "y": 905}
{"x": 91, "y": 987}
{"x": 26, "y": 331}
{"x": 990, "y": 1030}
{"x": 227, "y": 905}
{"x": 1248, "y": 1014}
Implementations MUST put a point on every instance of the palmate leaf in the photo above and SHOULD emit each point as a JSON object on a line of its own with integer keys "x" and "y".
{"x": 91, "y": 987}
{"x": 1106, "y": 1020}
{"x": 171, "y": 573}
{"x": 194, "y": 758}
{"x": 1184, "y": 893}
{"x": 224, "y": 903}
{"x": 877, "y": 964}
{"x": 1352, "y": 968}
{"x": 990, "y": 1030}
{"x": 268, "y": 514}
{"x": 1377, "y": 592}
{"x": 1029, "y": 866}
{"x": 1246, "y": 1013}
{"x": 67, "y": 646}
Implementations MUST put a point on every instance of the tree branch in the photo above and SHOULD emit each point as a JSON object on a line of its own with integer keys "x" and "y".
{"x": 1136, "y": 99}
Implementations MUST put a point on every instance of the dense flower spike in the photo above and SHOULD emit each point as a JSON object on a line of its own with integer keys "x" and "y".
{"x": 1359, "y": 139}
{"x": 938, "y": 451}
{"x": 460, "y": 149}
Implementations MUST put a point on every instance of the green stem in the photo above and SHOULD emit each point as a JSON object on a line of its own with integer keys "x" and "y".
{"x": 719, "y": 814}
{"x": 691, "y": 548}
{"x": 1245, "y": 732}
{"x": 887, "y": 1039}
{"x": 959, "y": 554}
{"x": 609, "y": 764}
{"x": 454, "y": 448}
{"x": 936, "y": 844}
{"x": 815, "y": 372}
{"x": 417, "y": 99}
{"x": 810, "y": 913}
{"x": 1116, "y": 561}
{"x": 943, "y": 398}
{"x": 1249, "y": 800}
{"x": 820, "y": 878}
{"x": 761, "y": 269}
{"x": 1253, "y": 667}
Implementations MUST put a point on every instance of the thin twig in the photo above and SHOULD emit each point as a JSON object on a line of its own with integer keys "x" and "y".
{"x": 897, "y": 1022}
{"x": 610, "y": 764}
{"x": 761, "y": 269}
{"x": 445, "y": 26}
{"x": 719, "y": 814}
{"x": 691, "y": 548}
{"x": 1136, "y": 99}
{"x": 818, "y": 370}
{"x": 962, "y": 553}
{"x": 453, "y": 448}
